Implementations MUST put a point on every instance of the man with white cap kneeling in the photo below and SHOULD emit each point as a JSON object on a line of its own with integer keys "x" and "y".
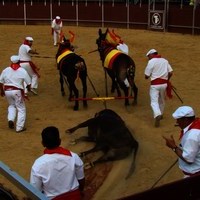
{"x": 11, "y": 86}
{"x": 188, "y": 150}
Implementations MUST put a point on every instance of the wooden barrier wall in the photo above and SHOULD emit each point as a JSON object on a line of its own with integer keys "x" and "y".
{"x": 181, "y": 18}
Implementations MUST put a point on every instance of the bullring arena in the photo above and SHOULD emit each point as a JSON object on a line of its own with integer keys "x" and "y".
{"x": 19, "y": 151}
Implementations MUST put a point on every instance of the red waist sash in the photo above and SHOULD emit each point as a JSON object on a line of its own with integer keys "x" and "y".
{"x": 189, "y": 174}
{"x": 158, "y": 81}
{"x": 9, "y": 88}
{"x": 71, "y": 195}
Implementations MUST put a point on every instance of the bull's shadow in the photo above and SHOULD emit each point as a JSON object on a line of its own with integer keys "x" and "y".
{"x": 111, "y": 136}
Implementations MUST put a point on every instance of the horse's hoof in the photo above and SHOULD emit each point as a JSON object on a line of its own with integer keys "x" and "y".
{"x": 75, "y": 108}
{"x": 127, "y": 104}
{"x": 81, "y": 155}
{"x": 85, "y": 105}
{"x": 70, "y": 98}
{"x": 134, "y": 103}
{"x": 88, "y": 165}
{"x": 73, "y": 142}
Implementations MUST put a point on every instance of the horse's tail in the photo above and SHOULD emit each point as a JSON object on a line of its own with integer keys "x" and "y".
{"x": 131, "y": 68}
{"x": 134, "y": 154}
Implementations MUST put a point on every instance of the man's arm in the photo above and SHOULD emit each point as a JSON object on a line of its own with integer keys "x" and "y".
{"x": 35, "y": 180}
{"x": 81, "y": 184}
{"x": 33, "y": 52}
{"x": 170, "y": 75}
{"x": 146, "y": 77}
{"x": 170, "y": 142}
{"x": 2, "y": 90}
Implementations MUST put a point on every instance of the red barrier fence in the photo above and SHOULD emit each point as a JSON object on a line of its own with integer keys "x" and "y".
{"x": 163, "y": 15}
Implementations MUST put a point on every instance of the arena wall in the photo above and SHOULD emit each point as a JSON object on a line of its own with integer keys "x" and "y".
{"x": 177, "y": 16}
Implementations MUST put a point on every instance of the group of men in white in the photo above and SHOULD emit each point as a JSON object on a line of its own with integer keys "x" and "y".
{"x": 19, "y": 80}
{"x": 16, "y": 81}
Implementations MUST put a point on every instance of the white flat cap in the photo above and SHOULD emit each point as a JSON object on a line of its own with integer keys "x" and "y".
{"x": 14, "y": 59}
{"x": 57, "y": 17}
{"x": 183, "y": 111}
{"x": 29, "y": 39}
{"x": 150, "y": 52}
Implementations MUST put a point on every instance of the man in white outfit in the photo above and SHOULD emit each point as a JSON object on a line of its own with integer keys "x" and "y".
{"x": 56, "y": 29}
{"x": 159, "y": 70}
{"x": 11, "y": 86}
{"x": 25, "y": 52}
{"x": 188, "y": 150}
{"x": 59, "y": 173}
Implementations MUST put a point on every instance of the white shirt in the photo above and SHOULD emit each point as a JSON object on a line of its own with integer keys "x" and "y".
{"x": 24, "y": 52}
{"x": 10, "y": 77}
{"x": 55, "y": 174}
{"x": 123, "y": 47}
{"x": 56, "y": 26}
{"x": 190, "y": 144}
{"x": 158, "y": 68}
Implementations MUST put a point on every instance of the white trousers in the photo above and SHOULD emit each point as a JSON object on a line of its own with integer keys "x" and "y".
{"x": 32, "y": 74}
{"x": 16, "y": 108}
{"x": 157, "y": 96}
{"x": 56, "y": 36}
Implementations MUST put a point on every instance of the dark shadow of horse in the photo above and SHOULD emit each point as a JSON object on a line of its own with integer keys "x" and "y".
{"x": 121, "y": 68}
{"x": 71, "y": 67}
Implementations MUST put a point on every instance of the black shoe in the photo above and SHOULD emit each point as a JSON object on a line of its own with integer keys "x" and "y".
{"x": 11, "y": 124}
{"x": 157, "y": 121}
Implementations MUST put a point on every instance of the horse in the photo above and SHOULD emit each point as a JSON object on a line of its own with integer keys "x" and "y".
{"x": 119, "y": 66}
{"x": 71, "y": 67}
{"x": 111, "y": 136}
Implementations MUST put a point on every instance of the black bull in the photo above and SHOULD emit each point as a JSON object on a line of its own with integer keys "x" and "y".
{"x": 110, "y": 135}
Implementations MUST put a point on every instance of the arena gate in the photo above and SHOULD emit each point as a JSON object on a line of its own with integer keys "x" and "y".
{"x": 181, "y": 16}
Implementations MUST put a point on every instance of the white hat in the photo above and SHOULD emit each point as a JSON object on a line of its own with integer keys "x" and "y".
{"x": 151, "y": 52}
{"x": 183, "y": 111}
{"x": 57, "y": 17}
{"x": 14, "y": 59}
{"x": 29, "y": 39}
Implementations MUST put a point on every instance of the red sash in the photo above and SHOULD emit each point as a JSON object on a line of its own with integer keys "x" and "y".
{"x": 189, "y": 174}
{"x": 8, "y": 87}
{"x": 72, "y": 195}
{"x": 195, "y": 125}
{"x": 159, "y": 81}
{"x": 58, "y": 150}
{"x": 15, "y": 66}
